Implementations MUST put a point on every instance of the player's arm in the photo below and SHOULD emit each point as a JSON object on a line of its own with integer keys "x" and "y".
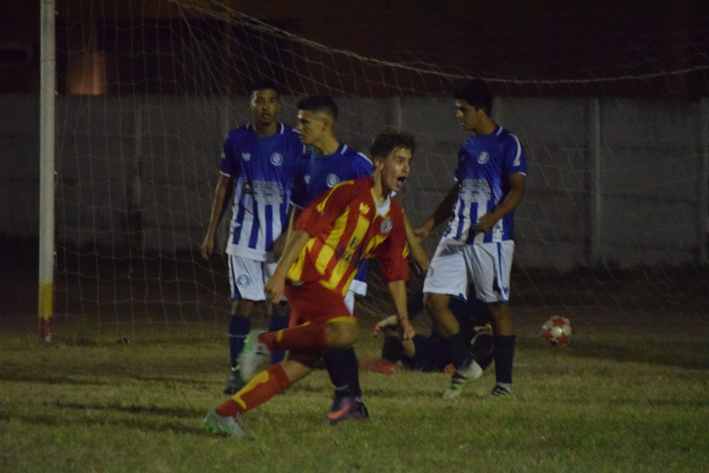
{"x": 518, "y": 184}
{"x": 224, "y": 189}
{"x": 280, "y": 244}
{"x": 397, "y": 290}
{"x": 276, "y": 283}
{"x": 441, "y": 213}
{"x": 417, "y": 252}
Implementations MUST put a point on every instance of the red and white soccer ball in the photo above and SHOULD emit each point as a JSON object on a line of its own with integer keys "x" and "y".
{"x": 557, "y": 330}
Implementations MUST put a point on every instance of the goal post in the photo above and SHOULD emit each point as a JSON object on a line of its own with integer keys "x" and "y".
{"x": 46, "y": 169}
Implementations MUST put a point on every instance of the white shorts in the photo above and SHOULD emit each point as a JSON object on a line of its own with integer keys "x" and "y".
{"x": 487, "y": 265}
{"x": 247, "y": 277}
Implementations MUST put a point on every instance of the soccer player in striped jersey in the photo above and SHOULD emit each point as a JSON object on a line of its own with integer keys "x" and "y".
{"x": 326, "y": 163}
{"x": 337, "y": 231}
{"x": 479, "y": 242}
{"x": 258, "y": 163}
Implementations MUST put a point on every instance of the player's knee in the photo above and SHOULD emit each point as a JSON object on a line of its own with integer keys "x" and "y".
{"x": 341, "y": 334}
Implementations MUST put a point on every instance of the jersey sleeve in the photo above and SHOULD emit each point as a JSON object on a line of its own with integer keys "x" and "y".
{"x": 320, "y": 214}
{"x": 515, "y": 157}
{"x": 362, "y": 167}
{"x": 230, "y": 163}
{"x": 392, "y": 253}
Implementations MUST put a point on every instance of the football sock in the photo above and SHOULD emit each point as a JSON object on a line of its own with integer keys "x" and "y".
{"x": 263, "y": 387}
{"x": 392, "y": 349}
{"x": 342, "y": 366}
{"x": 276, "y": 323}
{"x": 309, "y": 336}
{"x": 504, "y": 354}
{"x": 457, "y": 350}
{"x": 239, "y": 327}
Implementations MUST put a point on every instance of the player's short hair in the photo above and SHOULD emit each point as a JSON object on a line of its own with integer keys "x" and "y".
{"x": 262, "y": 85}
{"x": 389, "y": 140}
{"x": 476, "y": 92}
{"x": 319, "y": 103}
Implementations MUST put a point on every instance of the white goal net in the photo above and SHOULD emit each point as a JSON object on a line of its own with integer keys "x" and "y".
{"x": 614, "y": 221}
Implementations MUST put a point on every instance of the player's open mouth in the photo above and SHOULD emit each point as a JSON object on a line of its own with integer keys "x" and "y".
{"x": 400, "y": 180}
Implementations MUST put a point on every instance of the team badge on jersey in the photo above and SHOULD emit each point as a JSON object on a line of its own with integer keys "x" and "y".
{"x": 243, "y": 281}
{"x": 276, "y": 159}
{"x": 483, "y": 157}
{"x": 306, "y": 178}
{"x": 332, "y": 180}
{"x": 246, "y": 156}
{"x": 386, "y": 225}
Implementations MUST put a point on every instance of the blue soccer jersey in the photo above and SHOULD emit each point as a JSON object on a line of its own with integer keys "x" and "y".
{"x": 317, "y": 174}
{"x": 485, "y": 164}
{"x": 263, "y": 170}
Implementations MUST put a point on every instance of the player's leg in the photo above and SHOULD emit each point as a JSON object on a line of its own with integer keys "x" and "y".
{"x": 263, "y": 387}
{"x": 492, "y": 263}
{"x": 240, "y": 275}
{"x": 448, "y": 275}
{"x": 278, "y": 314}
{"x": 343, "y": 368}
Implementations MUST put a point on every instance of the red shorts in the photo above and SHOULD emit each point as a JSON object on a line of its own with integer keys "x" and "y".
{"x": 312, "y": 302}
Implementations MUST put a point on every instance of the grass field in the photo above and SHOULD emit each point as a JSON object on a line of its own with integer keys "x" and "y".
{"x": 630, "y": 394}
{"x": 613, "y": 401}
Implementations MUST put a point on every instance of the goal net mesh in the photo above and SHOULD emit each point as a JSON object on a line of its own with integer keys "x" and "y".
{"x": 614, "y": 221}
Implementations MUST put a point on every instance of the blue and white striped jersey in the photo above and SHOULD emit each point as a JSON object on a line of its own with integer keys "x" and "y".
{"x": 263, "y": 170}
{"x": 484, "y": 166}
{"x": 317, "y": 174}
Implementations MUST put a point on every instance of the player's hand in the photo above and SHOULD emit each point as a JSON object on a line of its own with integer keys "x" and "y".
{"x": 485, "y": 223}
{"x": 274, "y": 288}
{"x": 207, "y": 247}
{"x": 406, "y": 330}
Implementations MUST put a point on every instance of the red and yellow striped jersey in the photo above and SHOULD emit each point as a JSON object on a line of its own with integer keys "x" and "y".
{"x": 346, "y": 229}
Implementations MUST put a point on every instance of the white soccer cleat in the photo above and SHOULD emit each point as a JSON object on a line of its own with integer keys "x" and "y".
{"x": 223, "y": 425}
{"x": 384, "y": 323}
{"x": 252, "y": 356}
{"x": 462, "y": 377}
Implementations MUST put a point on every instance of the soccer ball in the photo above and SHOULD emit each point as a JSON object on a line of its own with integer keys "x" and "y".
{"x": 557, "y": 330}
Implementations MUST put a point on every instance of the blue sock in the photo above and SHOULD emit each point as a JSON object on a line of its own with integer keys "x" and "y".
{"x": 276, "y": 323}
{"x": 458, "y": 350}
{"x": 343, "y": 369}
{"x": 239, "y": 327}
{"x": 504, "y": 355}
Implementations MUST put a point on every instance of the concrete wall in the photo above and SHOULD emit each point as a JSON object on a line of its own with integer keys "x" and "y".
{"x": 137, "y": 174}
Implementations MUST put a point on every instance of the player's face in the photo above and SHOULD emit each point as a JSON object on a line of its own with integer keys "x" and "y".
{"x": 395, "y": 169}
{"x": 265, "y": 105}
{"x": 311, "y": 126}
{"x": 467, "y": 115}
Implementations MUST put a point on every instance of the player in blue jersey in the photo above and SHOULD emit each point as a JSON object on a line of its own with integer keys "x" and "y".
{"x": 257, "y": 168}
{"x": 479, "y": 242}
{"x": 326, "y": 163}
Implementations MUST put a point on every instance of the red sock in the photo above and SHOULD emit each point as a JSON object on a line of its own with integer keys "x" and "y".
{"x": 259, "y": 390}
{"x": 309, "y": 336}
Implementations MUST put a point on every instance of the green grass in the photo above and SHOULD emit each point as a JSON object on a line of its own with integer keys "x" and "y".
{"x": 605, "y": 404}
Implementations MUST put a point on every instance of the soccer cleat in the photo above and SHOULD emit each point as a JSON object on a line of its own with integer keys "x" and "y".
{"x": 501, "y": 390}
{"x": 347, "y": 408}
{"x": 377, "y": 365}
{"x": 462, "y": 377}
{"x": 252, "y": 356}
{"x": 223, "y": 425}
{"x": 234, "y": 383}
